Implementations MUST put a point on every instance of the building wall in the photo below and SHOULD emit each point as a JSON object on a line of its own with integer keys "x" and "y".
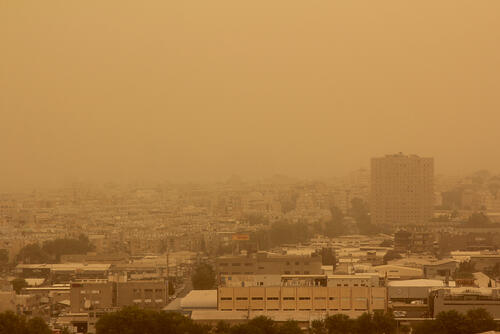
{"x": 302, "y": 299}
{"x": 401, "y": 189}
{"x": 268, "y": 265}
{"x": 443, "y": 302}
{"x": 141, "y": 293}
{"x": 103, "y": 295}
{"x": 91, "y": 295}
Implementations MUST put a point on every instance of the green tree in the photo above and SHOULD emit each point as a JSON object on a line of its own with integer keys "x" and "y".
{"x": 328, "y": 257}
{"x": 383, "y": 323}
{"x": 361, "y": 214}
{"x": 289, "y": 327}
{"x": 203, "y": 277}
{"x": 478, "y": 219}
{"x": 465, "y": 270}
{"x": 245, "y": 329}
{"x": 17, "y": 324}
{"x": 335, "y": 225}
{"x": 12, "y": 323}
{"x": 67, "y": 246}
{"x": 32, "y": 253}
{"x": 318, "y": 327}
{"x": 391, "y": 255}
{"x": 37, "y": 326}
{"x": 480, "y": 320}
{"x": 171, "y": 287}
{"x": 452, "y": 322}
{"x": 265, "y": 324}
{"x": 222, "y": 327}
{"x": 4, "y": 256}
{"x": 387, "y": 243}
{"x": 132, "y": 320}
{"x": 340, "y": 324}
{"x": 364, "y": 324}
{"x": 18, "y": 284}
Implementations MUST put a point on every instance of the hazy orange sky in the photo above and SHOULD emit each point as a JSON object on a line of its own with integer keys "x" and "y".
{"x": 177, "y": 90}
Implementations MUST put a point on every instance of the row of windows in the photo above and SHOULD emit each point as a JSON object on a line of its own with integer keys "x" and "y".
{"x": 292, "y": 309}
{"x": 286, "y": 272}
{"x": 237, "y": 264}
{"x": 300, "y": 298}
{"x": 93, "y": 292}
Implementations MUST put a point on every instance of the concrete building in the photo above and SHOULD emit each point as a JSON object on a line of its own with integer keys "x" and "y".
{"x": 102, "y": 294}
{"x": 464, "y": 299}
{"x": 402, "y": 190}
{"x": 263, "y": 263}
{"x": 302, "y": 298}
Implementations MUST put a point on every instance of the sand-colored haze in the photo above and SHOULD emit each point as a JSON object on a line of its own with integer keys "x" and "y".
{"x": 121, "y": 89}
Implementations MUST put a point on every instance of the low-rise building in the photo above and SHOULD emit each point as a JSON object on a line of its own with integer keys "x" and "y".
{"x": 263, "y": 263}
{"x": 302, "y": 298}
{"x": 464, "y": 299}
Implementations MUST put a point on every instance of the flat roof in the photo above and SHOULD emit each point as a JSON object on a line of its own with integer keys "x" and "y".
{"x": 200, "y": 299}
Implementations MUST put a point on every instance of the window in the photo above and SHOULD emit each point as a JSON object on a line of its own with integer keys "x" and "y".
{"x": 288, "y": 298}
{"x": 319, "y": 298}
{"x": 257, "y": 298}
{"x": 241, "y": 298}
{"x": 226, "y": 298}
{"x": 236, "y": 264}
{"x": 304, "y": 298}
{"x": 331, "y": 298}
{"x": 306, "y": 272}
{"x": 272, "y": 298}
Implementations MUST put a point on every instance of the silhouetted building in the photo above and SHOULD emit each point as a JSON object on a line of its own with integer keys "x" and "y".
{"x": 402, "y": 189}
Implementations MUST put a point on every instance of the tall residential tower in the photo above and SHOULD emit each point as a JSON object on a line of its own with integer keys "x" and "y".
{"x": 402, "y": 189}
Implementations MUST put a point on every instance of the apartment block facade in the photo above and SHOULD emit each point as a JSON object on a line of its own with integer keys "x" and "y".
{"x": 402, "y": 190}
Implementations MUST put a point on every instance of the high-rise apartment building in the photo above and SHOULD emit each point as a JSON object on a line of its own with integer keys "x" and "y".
{"x": 402, "y": 189}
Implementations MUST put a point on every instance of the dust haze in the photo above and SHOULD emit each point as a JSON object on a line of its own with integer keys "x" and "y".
{"x": 200, "y": 90}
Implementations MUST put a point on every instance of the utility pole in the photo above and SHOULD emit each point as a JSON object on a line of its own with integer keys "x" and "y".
{"x": 168, "y": 277}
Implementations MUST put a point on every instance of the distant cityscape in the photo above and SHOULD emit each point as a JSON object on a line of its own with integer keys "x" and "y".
{"x": 393, "y": 239}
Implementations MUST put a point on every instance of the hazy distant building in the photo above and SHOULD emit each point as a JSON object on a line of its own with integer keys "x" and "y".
{"x": 402, "y": 189}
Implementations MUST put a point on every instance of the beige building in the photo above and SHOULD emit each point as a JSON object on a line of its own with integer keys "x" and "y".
{"x": 402, "y": 190}
{"x": 302, "y": 298}
{"x": 465, "y": 299}
{"x": 263, "y": 263}
{"x": 102, "y": 294}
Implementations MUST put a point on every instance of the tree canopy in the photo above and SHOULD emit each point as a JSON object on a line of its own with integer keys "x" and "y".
{"x": 52, "y": 250}
{"x": 203, "y": 277}
{"x": 17, "y": 324}
{"x": 453, "y": 322}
